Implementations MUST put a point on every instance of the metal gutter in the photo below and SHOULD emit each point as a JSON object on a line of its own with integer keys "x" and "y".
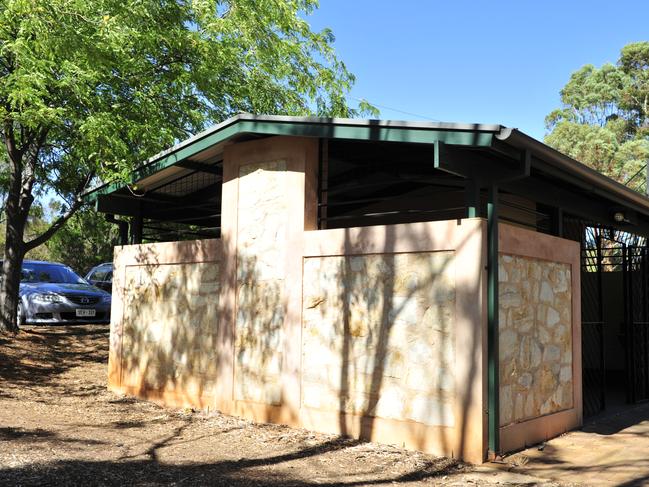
{"x": 591, "y": 180}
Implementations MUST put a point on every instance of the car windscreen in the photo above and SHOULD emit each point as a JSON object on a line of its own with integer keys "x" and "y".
{"x": 100, "y": 273}
{"x": 49, "y": 273}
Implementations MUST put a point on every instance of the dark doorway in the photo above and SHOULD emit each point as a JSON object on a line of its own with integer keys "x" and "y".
{"x": 615, "y": 319}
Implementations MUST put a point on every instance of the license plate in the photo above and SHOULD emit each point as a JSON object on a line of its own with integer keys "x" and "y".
{"x": 86, "y": 313}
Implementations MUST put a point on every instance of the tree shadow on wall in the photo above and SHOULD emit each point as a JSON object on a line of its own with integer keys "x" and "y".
{"x": 174, "y": 342}
{"x": 169, "y": 327}
{"x": 391, "y": 329}
{"x": 259, "y": 335}
{"x": 387, "y": 328}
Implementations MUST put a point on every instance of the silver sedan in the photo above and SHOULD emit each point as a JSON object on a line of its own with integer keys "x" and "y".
{"x": 54, "y": 293}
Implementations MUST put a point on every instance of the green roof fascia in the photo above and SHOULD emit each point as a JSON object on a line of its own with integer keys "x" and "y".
{"x": 376, "y": 133}
{"x": 370, "y": 133}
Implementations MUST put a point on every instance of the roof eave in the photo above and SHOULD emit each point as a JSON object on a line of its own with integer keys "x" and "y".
{"x": 335, "y": 128}
{"x": 595, "y": 181}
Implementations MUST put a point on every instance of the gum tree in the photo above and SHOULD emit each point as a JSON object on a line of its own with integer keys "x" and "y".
{"x": 604, "y": 120}
{"x": 90, "y": 87}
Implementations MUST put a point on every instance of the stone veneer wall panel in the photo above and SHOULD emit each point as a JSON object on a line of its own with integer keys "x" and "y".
{"x": 540, "y": 337}
{"x": 378, "y": 336}
{"x": 169, "y": 326}
{"x": 535, "y": 328}
{"x": 269, "y": 200}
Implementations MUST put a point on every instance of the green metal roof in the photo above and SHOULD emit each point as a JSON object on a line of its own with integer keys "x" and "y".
{"x": 566, "y": 180}
{"x": 335, "y": 128}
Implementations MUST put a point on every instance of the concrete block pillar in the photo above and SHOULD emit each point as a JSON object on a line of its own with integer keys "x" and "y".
{"x": 269, "y": 200}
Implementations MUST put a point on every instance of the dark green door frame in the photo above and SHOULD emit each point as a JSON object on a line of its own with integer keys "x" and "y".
{"x": 492, "y": 323}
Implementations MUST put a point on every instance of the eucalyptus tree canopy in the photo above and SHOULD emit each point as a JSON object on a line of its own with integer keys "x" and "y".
{"x": 90, "y": 87}
{"x": 604, "y": 120}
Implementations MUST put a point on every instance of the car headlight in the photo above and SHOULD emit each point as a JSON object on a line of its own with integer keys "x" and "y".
{"x": 46, "y": 298}
{"x": 107, "y": 298}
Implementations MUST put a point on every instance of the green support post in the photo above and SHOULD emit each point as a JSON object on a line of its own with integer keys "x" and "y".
{"x": 492, "y": 322}
{"x": 472, "y": 198}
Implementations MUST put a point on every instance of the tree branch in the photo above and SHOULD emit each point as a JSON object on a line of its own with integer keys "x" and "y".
{"x": 12, "y": 200}
{"x": 60, "y": 221}
{"x": 15, "y": 154}
{"x": 29, "y": 154}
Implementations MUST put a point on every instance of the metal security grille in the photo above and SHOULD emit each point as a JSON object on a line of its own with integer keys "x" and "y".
{"x": 593, "y": 368}
{"x": 364, "y": 184}
{"x": 605, "y": 250}
{"x": 592, "y": 327}
{"x": 185, "y": 206}
{"x": 637, "y": 322}
{"x": 627, "y": 253}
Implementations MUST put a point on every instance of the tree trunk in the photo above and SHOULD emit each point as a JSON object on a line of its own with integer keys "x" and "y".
{"x": 22, "y": 175}
{"x": 11, "y": 266}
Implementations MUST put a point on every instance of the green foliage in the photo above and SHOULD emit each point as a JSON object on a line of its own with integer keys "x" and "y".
{"x": 37, "y": 222}
{"x": 604, "y": 120}
{"x": 91, "y": 88}
{"x": 85, "y": 241}
{"x": 108, "y": 82}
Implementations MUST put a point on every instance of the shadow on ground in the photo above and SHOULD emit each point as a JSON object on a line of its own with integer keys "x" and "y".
{"x": 60, "y": 426}
{"x": 613, "y": 423}
{"x": 609, "y": 450}
{"x": 37, "y": 356}
{"x": 148, "y": 469}
{"x": 228, "y": 473}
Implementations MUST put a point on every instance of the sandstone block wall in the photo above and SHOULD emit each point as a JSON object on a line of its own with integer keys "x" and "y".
{"x": 378, "y": 336}
{"x": 535, "y": 338}
{"x": 261, "y": 271}
{"x": 170, "y": 324}
{"x": 393, "y": 353}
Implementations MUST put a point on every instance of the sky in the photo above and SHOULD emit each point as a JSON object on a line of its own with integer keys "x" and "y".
{"x": 501, "y": 62}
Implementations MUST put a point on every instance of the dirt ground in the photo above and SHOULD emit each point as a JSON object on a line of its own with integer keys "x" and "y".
{"x": 60, "y": 426}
